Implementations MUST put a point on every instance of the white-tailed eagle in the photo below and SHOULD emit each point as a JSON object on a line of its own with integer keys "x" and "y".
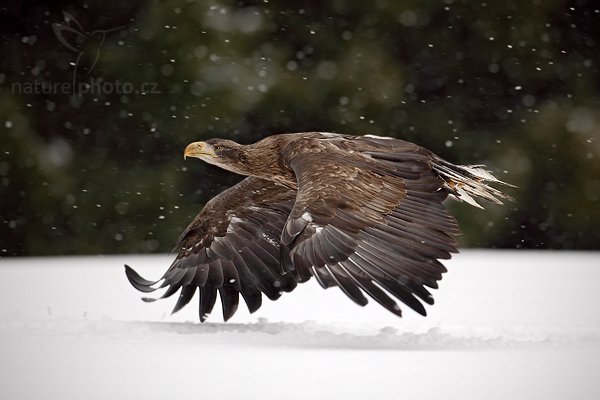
{"x": 363, "y": 213}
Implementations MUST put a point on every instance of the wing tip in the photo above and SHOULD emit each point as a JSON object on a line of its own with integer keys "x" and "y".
{"x": 253, "y": 300}
{"x": 227, "y": 314}
{"x": 135, "y": 279}
{"x": 204, "y": 317}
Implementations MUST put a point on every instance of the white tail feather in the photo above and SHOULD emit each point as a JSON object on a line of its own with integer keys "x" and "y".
{"x": 468, "y": 181}
{"x": 479, "y": 172}
{"x": 464, "y": 196}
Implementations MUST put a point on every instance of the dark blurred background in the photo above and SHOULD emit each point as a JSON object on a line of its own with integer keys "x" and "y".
{"x": 99, "y": 99}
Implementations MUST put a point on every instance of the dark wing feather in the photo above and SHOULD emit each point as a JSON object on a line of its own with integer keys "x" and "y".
{"x": 231, "y": 247}
{"x": 369, "y": 219}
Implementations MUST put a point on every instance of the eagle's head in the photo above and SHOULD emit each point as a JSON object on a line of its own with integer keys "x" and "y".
{"x": 223, "y": 153}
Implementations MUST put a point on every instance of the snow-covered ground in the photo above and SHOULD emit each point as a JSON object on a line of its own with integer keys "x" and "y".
{"x": 506, "y": 325}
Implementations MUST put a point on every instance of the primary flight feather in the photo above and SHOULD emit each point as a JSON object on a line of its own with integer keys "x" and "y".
{"x": 363, "y": 213}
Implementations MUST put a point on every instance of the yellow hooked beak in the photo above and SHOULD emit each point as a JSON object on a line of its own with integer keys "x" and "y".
{"x": 198, "y": 149}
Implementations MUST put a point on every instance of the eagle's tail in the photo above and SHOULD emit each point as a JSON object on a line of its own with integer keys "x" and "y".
{"x": 467, "y": 182}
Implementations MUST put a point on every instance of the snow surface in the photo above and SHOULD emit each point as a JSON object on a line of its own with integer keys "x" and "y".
{"x": 506, "y": 325}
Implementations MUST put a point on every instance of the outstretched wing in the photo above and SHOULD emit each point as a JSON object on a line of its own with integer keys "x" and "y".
{"x": 232, "y": 247}
{"x": 368, "y": 225}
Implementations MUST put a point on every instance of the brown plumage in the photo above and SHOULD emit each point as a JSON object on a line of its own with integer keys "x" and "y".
{"x": 362, "y": 213}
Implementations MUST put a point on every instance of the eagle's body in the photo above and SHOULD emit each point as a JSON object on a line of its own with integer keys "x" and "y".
{"x": 363, "y": 213}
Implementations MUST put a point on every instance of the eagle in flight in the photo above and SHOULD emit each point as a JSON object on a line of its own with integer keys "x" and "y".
{"x": 363, "y": 213}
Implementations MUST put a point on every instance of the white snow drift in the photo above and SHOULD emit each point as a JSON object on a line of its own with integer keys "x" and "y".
{"x": 518, "y": 325}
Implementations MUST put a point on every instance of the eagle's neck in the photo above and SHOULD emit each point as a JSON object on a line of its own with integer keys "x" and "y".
{"x": 263, "y": 160}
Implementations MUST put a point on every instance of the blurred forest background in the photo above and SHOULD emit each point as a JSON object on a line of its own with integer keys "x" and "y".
{"x": 99, "y": 99}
